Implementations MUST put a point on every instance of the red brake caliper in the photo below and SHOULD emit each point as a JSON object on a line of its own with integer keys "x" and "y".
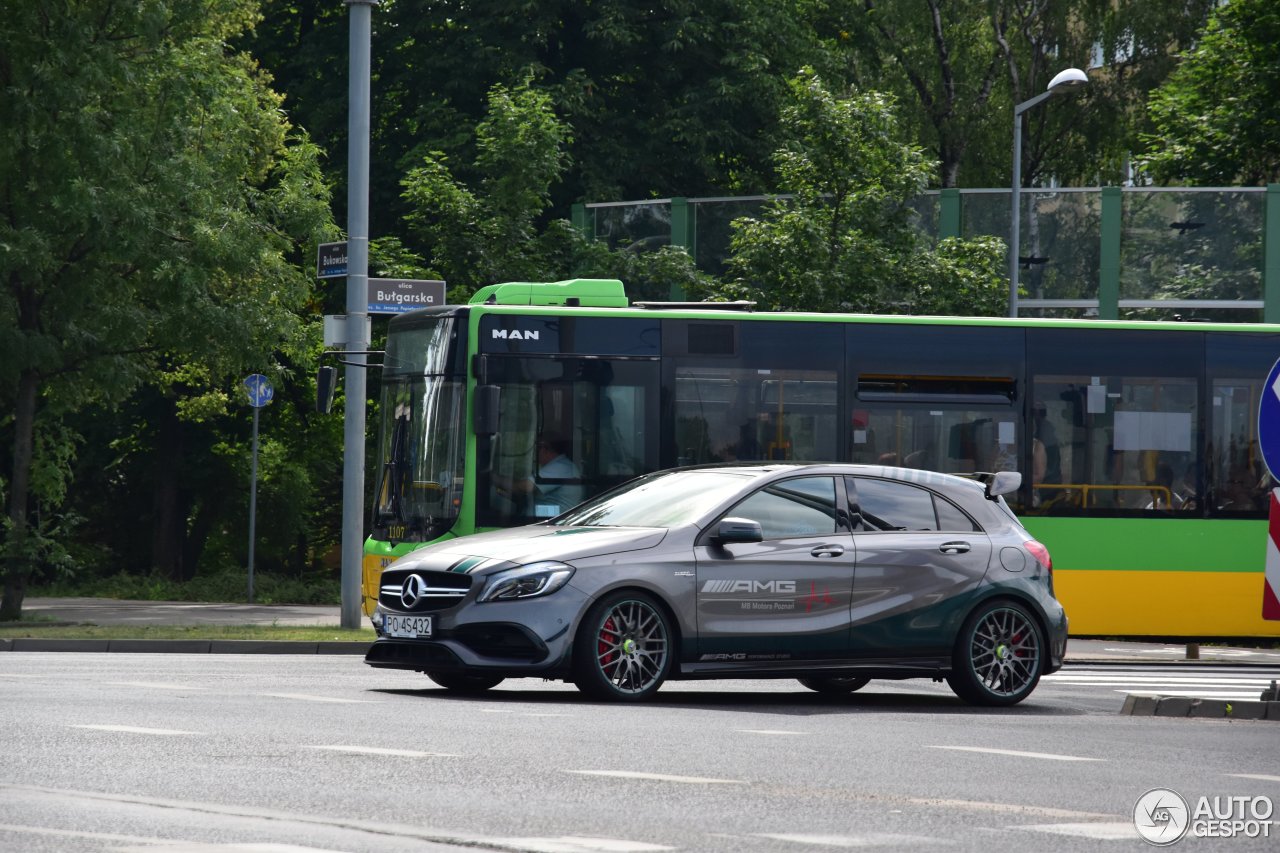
{"x": 1014, "y": 641}
{"x": 608, "y": 639}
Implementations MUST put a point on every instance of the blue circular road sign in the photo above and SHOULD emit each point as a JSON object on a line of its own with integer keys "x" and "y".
{"x": 259, "y": 389}
{"x": 1269, "y": 421}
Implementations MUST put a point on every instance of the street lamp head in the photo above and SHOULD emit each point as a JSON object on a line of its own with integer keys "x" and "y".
{"x": 1067, "y": 80}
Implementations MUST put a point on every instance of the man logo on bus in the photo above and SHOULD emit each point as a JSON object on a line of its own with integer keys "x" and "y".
{"x": 514, "y": 335}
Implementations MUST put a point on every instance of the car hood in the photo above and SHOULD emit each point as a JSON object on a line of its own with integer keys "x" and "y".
{"x": 486, "y": 552}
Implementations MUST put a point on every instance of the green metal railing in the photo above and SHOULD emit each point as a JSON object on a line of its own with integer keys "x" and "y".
{"x": 1109, "y": 252}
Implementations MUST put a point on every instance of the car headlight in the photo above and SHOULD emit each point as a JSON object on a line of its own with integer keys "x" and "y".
{"x": 527, "y": 581}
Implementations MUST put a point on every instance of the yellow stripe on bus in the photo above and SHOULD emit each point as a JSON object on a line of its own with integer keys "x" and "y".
{"x": 1154, "y": 603}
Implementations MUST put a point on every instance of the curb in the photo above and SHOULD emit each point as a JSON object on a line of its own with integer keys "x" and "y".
{"x": 1151, "y": 705}
{"x": 197, "y": 647}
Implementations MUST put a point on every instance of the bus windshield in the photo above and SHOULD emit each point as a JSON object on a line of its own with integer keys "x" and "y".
{"x": 423, "y": 442}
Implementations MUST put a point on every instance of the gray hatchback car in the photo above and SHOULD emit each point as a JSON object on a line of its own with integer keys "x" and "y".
{"x": 830, "y": 574}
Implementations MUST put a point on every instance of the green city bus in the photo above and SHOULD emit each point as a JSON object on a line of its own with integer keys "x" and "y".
{"x": 1137, "y": 440}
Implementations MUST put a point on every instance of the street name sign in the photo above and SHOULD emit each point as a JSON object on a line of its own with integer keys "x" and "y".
{"x": 398, "y": 295}
{"x": 331, "y": 260}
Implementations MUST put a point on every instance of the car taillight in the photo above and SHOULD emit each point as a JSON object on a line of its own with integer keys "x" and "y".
{"x": 1041, "y": 554}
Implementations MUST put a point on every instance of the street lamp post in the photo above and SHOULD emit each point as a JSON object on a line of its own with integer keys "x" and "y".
{"x": 1064, "y": 81}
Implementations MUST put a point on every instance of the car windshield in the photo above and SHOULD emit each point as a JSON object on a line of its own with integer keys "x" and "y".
{"x": 661, "y": 501}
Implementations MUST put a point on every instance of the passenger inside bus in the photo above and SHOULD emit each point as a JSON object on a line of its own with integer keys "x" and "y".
{"x": 557, "y": 484}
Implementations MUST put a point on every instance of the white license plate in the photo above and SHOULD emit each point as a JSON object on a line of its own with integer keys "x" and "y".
{"x": 407, "y": 627}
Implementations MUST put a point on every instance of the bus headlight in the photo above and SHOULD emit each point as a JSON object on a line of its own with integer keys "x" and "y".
{"x": 527, "y": 581}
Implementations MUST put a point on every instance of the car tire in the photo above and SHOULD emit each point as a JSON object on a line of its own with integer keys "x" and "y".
{"x": 465, "y": 683}
{"x": 624, "y": 648}
{"x": 835, "y": 686}
{"x": 998, "y": 656}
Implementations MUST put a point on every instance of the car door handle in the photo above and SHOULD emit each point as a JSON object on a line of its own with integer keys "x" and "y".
{"x": 827, "y": 551}
{"x": 954, "y": 547}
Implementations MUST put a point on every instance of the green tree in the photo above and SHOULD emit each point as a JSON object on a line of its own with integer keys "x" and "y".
{"x": 152, "y": 199}
{"x": 669, "y": 94}
{"x": 959, "y": 66}
{"x": 498, "y": 229}
{"x": 1215, "y": 118}
{"x": 845, "y": 240}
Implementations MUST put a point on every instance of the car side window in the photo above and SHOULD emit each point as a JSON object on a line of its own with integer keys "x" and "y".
{"x": 951, "y": 518}
{"x": 885, "y": 505}
{"x": 805, "y": 506}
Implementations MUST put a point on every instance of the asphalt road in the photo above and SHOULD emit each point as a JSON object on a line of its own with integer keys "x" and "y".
{"x": 197, "y": 754}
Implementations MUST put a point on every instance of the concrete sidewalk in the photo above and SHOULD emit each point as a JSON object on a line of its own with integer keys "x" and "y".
{"x": 105, "y": 611}
{"x": 108, "y": 611}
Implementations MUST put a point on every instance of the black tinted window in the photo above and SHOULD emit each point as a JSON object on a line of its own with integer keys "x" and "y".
{"x": 887, "y": 505}
{"x": 805, "y": 506}
{"x": 950, "y": 517}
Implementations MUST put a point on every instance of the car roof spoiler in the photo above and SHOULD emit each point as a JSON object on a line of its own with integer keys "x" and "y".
{"x": 999, "y": 483}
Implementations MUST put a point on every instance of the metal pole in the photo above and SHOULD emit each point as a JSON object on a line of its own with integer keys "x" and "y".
{"x": 361, "y": 16}
{"x": 1015, "y": 222}
{"x": 253, "y": 501}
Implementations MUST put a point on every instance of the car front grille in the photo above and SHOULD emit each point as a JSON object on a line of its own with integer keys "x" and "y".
{"x": 428, "y": 590}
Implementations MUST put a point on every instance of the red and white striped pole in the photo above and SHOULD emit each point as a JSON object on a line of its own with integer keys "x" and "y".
{"x": 1271, "y": 579}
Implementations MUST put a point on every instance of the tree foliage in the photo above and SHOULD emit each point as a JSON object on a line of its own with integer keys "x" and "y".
{"x": 153, "y": 200}
{"x": 1215, "y": 118}
{"x": 961, "y": 65}
{"x": 498, "y": 230}
{"x": 845, "y": 239}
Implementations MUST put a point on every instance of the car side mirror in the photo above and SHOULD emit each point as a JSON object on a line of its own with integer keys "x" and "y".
{"x": 732, "y": 530}
{"x": 326, "y": 382}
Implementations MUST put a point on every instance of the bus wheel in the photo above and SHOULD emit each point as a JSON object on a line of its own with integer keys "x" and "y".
{"x": 834, "y": 686}
{"x": 459, "y": 682}
{"x": 623, "y": 651}
{"x": 998, "y": 656}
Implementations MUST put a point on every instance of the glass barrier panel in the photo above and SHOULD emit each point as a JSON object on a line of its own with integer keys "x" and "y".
{"x": 1059, "y": 244}
{"x": 712, "y": 224}
{"x": 640, "y": 227}
{"x": 927, "y": 206}
{"x": 1191, "y": 245}
{"x": 984, "y": 214}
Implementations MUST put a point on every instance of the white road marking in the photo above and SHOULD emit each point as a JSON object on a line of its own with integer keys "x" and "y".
{"x": 1043, "y": 811}
{"x": 581, "y": 844}
{"x": 155, "y": 685}
{"x": 378, "y": 750}
{"x": 1258, "y": 776}
{"x": 657, "y": 777}
{"x": 871, "y": 839}
{"x": 137, "y": 730}
{"x": 1075, "y": 678}
{"x": 71, "y": 833}
{"x": 202, "y": 847}
{"x": 1096, "y": 831}
{"x": 1194, "y": 694}
{"x": 768, "y": 732}
{"x": 1047, "y": 756}
{"x": 307, "y": 697}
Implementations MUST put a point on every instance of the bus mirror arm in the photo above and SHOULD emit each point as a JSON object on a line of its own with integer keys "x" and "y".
{"x": 485, "y": 418}
{"x": 327, "y": 375}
